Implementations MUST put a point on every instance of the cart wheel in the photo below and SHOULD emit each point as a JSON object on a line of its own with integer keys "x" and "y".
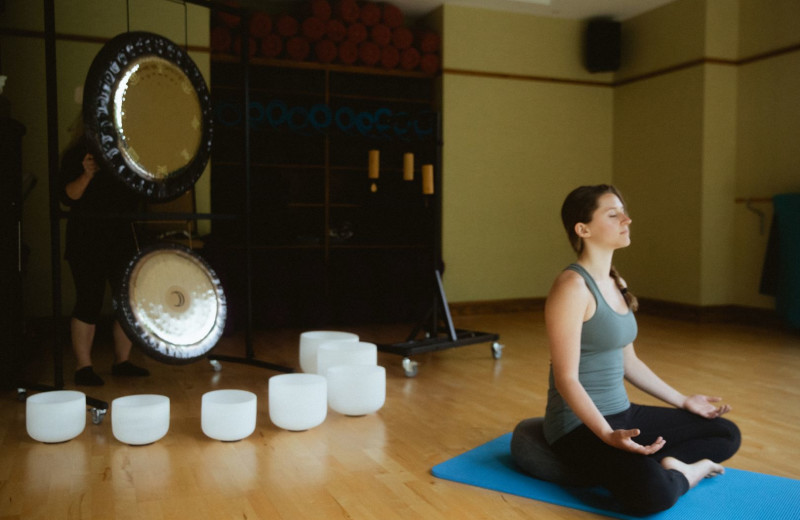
{"x": 410, "y": 367}
{"x": 97, "y": 415}
{"x": 22, "y": 394}
{"x": 216, "y": 366}
{"x": 497, "y": 350}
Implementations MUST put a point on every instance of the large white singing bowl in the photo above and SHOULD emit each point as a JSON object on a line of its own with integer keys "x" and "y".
{"x": 298, "y": 402}
{"x": 333, "y": 353}
{"x": 356, "y": 389}
{"x": 55, "y": 416}
{"x": 228, "y": 415}
{"x": 310, "y": 341}
{"x": 140, "y": 419}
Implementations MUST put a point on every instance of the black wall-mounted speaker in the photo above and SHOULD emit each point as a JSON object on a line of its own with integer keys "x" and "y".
{"x": 601, "y": 51}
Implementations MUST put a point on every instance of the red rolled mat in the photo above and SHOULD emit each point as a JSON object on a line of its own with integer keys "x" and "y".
{"x": 221, "y": 39}
{"x": 428, "y": 41}
{"x": 298, "y": 48}
{"x": 260, "y": 25}
{"x": 335, "y": 30}
{"x": 314, "y": 28}
{"x": 369, "y": 53}
{"x": 348, "y": 52}
{"x": 321, "y": 9}
{"x": 271, "y": 46}
{"x": 429, "y": 63}
{"x": 392, "y": 15}
{"x": 228, "y": 19}
{"x": 252, "y": 45}
{"x": 402, "y": 37}
{"x": 381, "y": 34}
{"x": 409, "y": 59}
{"x": 287, "y": 25}
{"x": 347, "y": 10}
{"x": 370, "y": 13}
{"x": 325, "y": 51}
{"x": 390, "y": 57}
{"x": 357, "y": 33}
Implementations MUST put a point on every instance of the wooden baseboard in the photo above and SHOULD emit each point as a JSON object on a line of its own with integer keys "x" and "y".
{"x": 671, "y": 310}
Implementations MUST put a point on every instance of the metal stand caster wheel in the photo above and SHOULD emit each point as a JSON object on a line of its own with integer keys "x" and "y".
{"x": 497, "y": 350}
{"x": 410, "y": 367}
{"x": 97, "y": 415}
{"x": 22, "y": 394}
{"x": 216, "y": 366}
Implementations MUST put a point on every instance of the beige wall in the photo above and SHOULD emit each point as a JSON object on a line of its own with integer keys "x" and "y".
{"x": 23, "y": 61}
{"x": 694, "y": 125}
{"x": 514, "y": 148}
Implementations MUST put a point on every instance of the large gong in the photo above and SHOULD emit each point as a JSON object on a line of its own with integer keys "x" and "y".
{"x": 147, "y": 113}
{"x": 171, "y": 304}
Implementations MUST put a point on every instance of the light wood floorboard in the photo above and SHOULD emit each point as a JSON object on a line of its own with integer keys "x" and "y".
{"x": 377, "y": 466}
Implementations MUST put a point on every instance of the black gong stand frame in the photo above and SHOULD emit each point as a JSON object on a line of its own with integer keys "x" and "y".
{"x": 436, "y": 330}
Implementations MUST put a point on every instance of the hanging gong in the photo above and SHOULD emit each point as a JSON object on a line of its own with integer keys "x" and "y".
{"x": 147, "y": 115}
{"x": 171, "y": 304}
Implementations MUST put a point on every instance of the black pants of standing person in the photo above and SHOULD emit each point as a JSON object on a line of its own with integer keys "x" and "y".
{"x": 639, "y": 482}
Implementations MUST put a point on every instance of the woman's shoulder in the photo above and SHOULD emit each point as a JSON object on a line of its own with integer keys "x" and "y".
{"x": 569, "y": 282}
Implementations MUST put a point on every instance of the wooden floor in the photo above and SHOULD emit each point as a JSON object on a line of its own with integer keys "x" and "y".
{"x": 377, "y": 466}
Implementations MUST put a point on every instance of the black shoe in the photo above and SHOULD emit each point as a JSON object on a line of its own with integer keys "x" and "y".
{"x": 126, "y": 368}
{"x": 86, "y": 377}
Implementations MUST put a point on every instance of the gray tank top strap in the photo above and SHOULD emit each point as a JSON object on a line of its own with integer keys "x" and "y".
{"x": 590, "y": 283}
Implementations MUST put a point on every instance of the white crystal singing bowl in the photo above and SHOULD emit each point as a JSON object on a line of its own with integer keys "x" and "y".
{"x": 333, "y": 353}
{"x": 310, "y": 341}
{"x": 140, "y": 419}
{"x": 55, "y": 416}
{"x": 298, "y": 402}
{"x": 228, "y": 415}
{"x": 356, "y": 389}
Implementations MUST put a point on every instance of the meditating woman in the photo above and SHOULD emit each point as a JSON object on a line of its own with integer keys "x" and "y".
{"x": 646, "y": 456}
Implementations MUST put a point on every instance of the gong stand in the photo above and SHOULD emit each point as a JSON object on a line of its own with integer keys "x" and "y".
{"x": 436, "y": 330}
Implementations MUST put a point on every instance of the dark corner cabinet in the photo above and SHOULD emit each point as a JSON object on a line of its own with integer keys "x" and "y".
{"x": 13, "y": 252}
{"x": 329, "y": 245}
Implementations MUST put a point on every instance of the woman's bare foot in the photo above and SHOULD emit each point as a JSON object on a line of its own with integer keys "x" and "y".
{"x": 696, "y": 472}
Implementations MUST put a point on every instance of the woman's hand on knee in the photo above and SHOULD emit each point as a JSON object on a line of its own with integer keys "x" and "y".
{"x": 623, "y": 440}
{"x": 704, "y": 406}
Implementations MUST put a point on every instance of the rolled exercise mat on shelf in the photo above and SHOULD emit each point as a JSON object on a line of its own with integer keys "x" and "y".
{"x": 335, "y": 30}
{"x": 402, "y": 37}
{"x": 429, "y": 63}
{"x": 390, "y": 57}
{"x": 321, "y": 9}
{"x": 325, "y": 51}
{"x": 348, "y": 53}
{"x": 313, "y": 28}
{"x": 347, "y": 10}
{"x": 381, "y": 34}
{"x": 260, "y": 25}
{"x": 369, "y": 53}
{"x": 287, "y": 25}
{"x": 392, "y": 15}
{"x": 409, "y": 59}
{"x": 298, "y": 48}
{"x": 271, "y": 46}
{"x": 429, "y": 41}
{"x": 357, "y": 32}
{"x": 370, "y": 13}
{"x": 221, "y": 39}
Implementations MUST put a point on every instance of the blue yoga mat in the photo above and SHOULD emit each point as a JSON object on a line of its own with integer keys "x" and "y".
{"x": 737, "y": 494}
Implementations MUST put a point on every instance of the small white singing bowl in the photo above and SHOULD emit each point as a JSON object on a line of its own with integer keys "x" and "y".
{"x": 140, "y": 419}
{"x": 56, "y": 416}
{"x": 228, "y": 415}
{"x": 310, "y": 341}
{"x": 333, "y": 353}
{"x": 356, "y": 389}
{"x": 298, "y": 402}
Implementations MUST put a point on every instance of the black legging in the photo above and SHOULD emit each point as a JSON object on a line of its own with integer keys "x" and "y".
{"x": 638, "y": 482}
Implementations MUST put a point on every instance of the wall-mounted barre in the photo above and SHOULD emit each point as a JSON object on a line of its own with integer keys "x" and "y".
{"x": 749, "y": 205}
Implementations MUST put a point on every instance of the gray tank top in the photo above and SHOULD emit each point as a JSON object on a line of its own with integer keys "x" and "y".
{"x": 601, "y": 370}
